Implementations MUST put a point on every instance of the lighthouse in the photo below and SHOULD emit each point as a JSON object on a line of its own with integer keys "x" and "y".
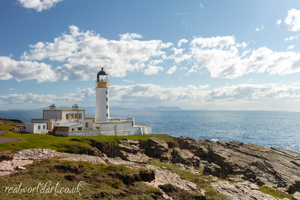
{"x": 102, "y": 105}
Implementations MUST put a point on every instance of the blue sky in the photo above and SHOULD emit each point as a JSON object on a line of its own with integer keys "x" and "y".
{"x": 237, "y": 55}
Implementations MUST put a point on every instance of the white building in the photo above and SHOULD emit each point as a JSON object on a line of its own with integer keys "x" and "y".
{"x": 74, "y": 123}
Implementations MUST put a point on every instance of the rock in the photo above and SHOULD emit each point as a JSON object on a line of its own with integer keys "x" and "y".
{"x": 213, "y": 169}
{"x": 155, "y": 147}
{"x": 296, "y": 196}
{"x": 166, "y": 157}
{"x": 5, "y": 157}
{"x": 165, "y": 177}
{"x": 241, "y": 191}
{"x": 274, "y": 167}
{"x": 85, "y": 158}
{"x": 129, "y": 150}
{"x": 145, "y": 175}
{"x": 91, "y": 151}
{"x": 185, "y": 157}
{"x": 294, "y": 188}
{"x": 179, "y": 194}
{"x": 201, "y": 152}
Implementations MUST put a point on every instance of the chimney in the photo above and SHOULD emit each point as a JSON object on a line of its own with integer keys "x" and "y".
{"x": 52, "y": 107}
{"x": 75, "y": 107}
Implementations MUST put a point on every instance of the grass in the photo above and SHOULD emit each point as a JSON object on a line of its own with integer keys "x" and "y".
{"x": 4, "y": 127}
{"x": 68, "y": 144}
{"x": 274, "y": 193}
{"x": 97, "y": 182}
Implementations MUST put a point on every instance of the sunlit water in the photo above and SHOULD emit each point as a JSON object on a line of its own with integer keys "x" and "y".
{"x": 276, "y": 129}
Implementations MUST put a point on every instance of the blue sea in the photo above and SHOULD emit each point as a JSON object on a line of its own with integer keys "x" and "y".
{"x": 273, "y": 129}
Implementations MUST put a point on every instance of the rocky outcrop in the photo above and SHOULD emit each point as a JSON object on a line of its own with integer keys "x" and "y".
{"x": 180, "y": 194}
{"x": 145, "y": 175}
{"x": 296, "y": 196}
{"x": 241, "y": 191}
{"x": 274, "y": 167}
{"x": 155, "y": 147}
{"x": 185, "y": 157}
{"x": 129, "y": 150}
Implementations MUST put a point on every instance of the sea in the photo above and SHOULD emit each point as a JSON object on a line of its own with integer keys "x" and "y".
{"x": 272, "y": 129}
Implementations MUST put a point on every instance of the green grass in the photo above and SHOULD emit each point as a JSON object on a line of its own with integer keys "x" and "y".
{"x": 68, "y": 144}
{"x": 10, "y": 122}
{"x": 98, "y": 184}
{"x": 274, "y": 193}
{"x": 4, "y": 127}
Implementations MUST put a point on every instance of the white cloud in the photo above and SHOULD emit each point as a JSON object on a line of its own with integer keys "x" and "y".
{"x": 290, "y": 47}
{"x": 295, "y": 37}
{"x": 38, "y": 5}
{"x": 11, "y": 89}
{"x": 213, "y": 41}
{"x": 25, "y": 70}
{"x": 251, "y": 95}
{"x": 201, "y": 6}
{"x": 172, "y": 70}
{"x": 181, "y": 42}
{"x": 152, "y": 69}
{"x": 293, "y": 20}
{"x": 230, "y": 62}
{"x": 278, "y": 22}
{"x": 86, "y": 52}
{"x": 260, "y": 29}
{"x": 128, "y": 81}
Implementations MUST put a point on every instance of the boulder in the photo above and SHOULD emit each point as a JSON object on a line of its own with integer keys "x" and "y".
{"x": 155, "y": 147}
{"x": 185, "y": 157}
{"x": 213, "y": 169}
{"x": 294, "y": 187}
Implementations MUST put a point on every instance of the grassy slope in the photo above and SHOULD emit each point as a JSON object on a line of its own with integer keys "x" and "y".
{"x": 65, "y": 144}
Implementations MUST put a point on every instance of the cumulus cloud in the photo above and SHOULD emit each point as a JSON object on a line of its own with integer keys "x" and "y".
{"x": 290, "y": 47}
{"x": 128, "y": 81}
{"x": 172, "y": 70}
{"x": 155, "y": 94}
{"x": 38, "y": 5}
{"x": 278, "y": 22}
{"x": 182, "y": 41}
{"x": 152, "y": 69}
{"x": 86, "y": 52}
{"x": 201, "y": 6}
{"x": 295, "y": 37}
{"x": 293, "y": 20}
{"x": 260, "y": 28}
{"x": 227, "y": 59}
{"x": 180, "y": 13}
{"x": 25, "y": 70}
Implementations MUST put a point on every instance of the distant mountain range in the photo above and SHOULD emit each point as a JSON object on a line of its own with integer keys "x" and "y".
{"x": 158, "y": 108}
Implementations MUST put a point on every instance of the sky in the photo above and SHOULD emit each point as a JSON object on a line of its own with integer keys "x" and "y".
{"x": 196, "y": 54}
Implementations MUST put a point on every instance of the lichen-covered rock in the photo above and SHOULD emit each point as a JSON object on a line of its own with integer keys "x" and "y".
{"x": 155, "y": 147}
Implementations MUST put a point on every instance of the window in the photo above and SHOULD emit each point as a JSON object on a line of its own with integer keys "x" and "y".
{"x": 86, "y": 125}
{"x": 106, "y": 114}
{"x": 80, "y": 116}
{"x": 44, "y": 126}
{"x": 80, "y": 128}
{"x": 67, "y": 116}
{"x": 106, "y": 91}
{"x": 39, "y": 127}
{"x": 106, "y": 98}
{"x": 24, "y": 127}
{"x": 72, "y": 115}
{"x": 76, "y": 116}
{"x": 106, "y": 106}
{"x": 73, "y": 129}
{"x": 97, "y": 127}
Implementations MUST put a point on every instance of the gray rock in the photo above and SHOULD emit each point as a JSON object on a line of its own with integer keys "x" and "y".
{"x": 241, "y": 191}
{"x": 274, "y": 167}
{"x": 155, "y": 147}
{"x": 296, "y": 196}
{"x": 185, "y": 157}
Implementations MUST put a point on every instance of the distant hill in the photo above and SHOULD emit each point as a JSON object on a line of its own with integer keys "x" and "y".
{"x": 158, "y": 108}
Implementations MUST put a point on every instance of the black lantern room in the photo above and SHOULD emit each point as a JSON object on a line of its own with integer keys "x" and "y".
{"x": 102, "y": 76}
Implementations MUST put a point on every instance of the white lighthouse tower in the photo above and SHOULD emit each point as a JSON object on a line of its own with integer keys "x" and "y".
{"x": 102, "y": 109}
